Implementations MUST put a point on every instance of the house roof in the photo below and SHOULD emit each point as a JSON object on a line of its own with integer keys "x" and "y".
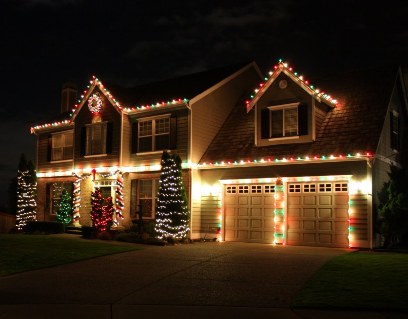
{"x": 166, "y": 92}
{"x": 186, "y": 87}
{"x": 353, "y": 126}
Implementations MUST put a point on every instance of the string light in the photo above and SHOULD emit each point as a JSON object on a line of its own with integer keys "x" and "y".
{"x": 283, "y": 160}
{"x": 283, "y": 67}
{"x": 95, "y": 105}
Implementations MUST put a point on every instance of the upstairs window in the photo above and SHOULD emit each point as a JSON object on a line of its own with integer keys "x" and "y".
{"x": 282, "y": 121}
{"x": 96, "y": 139}
{"x": 154, "y": 134}
{"x": 394, "y": 130}
{"x": 61, "y": 146}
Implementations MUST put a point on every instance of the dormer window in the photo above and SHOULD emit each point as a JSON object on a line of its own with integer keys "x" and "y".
{"x": 283, "y": 122}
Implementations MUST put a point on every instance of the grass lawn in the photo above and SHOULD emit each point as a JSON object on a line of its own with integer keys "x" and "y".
{"x": 360, "y": 280}
{"x": 20, "y": 253}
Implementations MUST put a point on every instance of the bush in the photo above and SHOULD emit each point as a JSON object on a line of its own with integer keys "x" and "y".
{"x": 44, "y": 227}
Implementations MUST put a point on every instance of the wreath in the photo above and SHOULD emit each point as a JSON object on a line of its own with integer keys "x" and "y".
{"x": 95, "y": 103}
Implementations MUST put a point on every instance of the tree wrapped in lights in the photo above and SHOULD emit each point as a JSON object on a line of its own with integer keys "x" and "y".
{"x": 101, "y": 215}
{"x": 26, "y": 193}
{"x": 172, "y": 214}
{"x": 64, "y": 213}
{"x": 97, "y": 212}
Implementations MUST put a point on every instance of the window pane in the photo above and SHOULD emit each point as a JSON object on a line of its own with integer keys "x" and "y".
{"x": 145, "y": 144}
{"x": 96, "y": 139}
{"x": 277, "y": 123}
{"x": 56, "y": 191}
{"x": 57, "y": 154}
{"x": 146, "y": 197}
{"x": 163, "y": 126}
{"x": 57, "y": 140}
{"x": 145, "y": 128}
{"x": 162, "y": 142}
{"x": 68, "y": 139}
{"x": 291, "y": 122}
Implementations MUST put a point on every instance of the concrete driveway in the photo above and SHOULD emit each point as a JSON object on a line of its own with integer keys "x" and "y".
{"x": 208, "y": 276}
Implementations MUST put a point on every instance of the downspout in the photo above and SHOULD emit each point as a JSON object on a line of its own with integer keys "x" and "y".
{"x": 190, "y": 144}
{"x": 369, "y": 178}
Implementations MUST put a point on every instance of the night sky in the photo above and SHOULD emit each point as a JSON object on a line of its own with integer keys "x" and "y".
{"x": 47, "y": 42}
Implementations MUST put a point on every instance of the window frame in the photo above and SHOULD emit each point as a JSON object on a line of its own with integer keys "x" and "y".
{"x": 153, "y": 133}
{"x": 89, "y": 141}
{"x": 283, "y": 108}
{"x": 154, "y": 192}
{"x": 53, "y": 198}
{"x": 64, "y": 148}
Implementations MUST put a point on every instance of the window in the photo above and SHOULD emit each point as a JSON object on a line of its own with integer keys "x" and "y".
{"x": 146, "y": 196}
{"x": 394, "y": 126}
{"x": 154, "y": 134}
{"x": 54, "y": 194}
{"x": 96, "y": 135}
{"x": 61, "y": 145}
{"x": 284, "y": 121}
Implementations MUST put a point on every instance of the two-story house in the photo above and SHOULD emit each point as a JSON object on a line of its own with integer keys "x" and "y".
{"x": 113, "y": 138}
{"x": 286, "y": 164}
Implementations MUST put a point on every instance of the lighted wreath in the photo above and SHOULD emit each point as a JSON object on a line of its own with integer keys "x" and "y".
{"x": 95, "y": 103}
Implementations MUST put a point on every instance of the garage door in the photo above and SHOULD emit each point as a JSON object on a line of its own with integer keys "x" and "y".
{"x": 249, "y": 212}
{"x": 317, "y": 214}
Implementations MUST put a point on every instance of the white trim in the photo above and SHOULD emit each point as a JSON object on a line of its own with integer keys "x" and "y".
{"x": 96, "y": 155}
{"x": 283, "y": 138}
{"x": 149, "y": 118}
{"x": 283, "y": 106}
{"x": 62, "y": 161}
{"x": 150, "y": 153}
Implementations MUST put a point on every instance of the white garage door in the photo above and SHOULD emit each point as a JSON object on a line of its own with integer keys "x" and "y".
{"x": 249, "y": 212}
{"x": 317, "y": 214}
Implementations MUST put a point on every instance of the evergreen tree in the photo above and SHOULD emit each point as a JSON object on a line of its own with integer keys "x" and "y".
{"x": 172, "y": 214}
{"x": 26, "y": 192}
{"x": 393, "y": 208}
{"x": 64, "y": 213}
{"x": 96, "y": 212}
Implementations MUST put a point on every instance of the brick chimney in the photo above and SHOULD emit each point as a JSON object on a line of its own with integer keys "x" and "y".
{"x": 68, "y": 97}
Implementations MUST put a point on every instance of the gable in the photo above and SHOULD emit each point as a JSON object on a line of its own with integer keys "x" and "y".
{"x": 352, "y": 127}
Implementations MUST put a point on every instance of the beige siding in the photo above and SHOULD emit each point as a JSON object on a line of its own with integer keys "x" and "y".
{"x": 210, "y": 110}
{"x": 210, "y": 212}
{"x": 126, "y": 142}
{"x": 195, "y": 200}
